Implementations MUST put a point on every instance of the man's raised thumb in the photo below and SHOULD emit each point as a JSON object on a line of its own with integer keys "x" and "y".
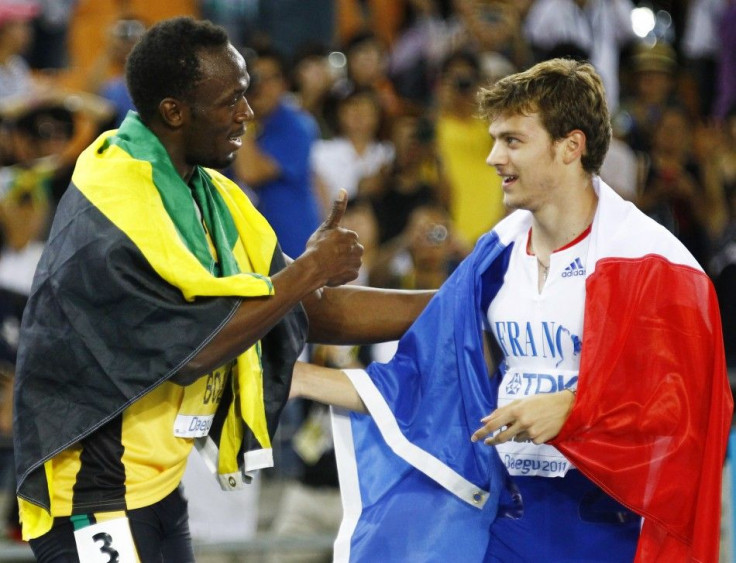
{"x": 338, "y": 210}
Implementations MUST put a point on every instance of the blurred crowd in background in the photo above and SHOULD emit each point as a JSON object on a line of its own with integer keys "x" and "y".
{"x": 376, "y": 97}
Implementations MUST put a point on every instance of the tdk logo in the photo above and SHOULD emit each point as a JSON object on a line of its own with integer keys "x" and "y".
{"x": 575, "y": 268}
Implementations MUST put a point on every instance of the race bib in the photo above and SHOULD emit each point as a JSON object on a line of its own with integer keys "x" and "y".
{"x": 106, "y": 542}
{"x": 198, "y": 407}
{"x": 527, "y": 458}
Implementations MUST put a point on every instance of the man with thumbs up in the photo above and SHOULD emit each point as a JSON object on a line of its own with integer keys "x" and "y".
{"x": 164, "y": 315}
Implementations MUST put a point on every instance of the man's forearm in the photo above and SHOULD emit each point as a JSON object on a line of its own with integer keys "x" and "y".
{"x": 332, "y": 258}
{"x": 325, "y": 385}
{"x": 362, "y": 315}
{"x": 253, "y": 319}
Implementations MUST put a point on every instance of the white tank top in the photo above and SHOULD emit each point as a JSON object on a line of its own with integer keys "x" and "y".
{"x": 540, "y": 336}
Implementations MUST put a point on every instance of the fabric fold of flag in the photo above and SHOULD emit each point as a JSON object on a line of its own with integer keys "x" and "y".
{"x": 128, "y": 291}
{"x": 414, "y": 487}
{"x": 653, "y": 411}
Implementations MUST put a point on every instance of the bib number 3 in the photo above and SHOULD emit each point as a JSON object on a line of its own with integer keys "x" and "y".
{"x": 106, "y": 542}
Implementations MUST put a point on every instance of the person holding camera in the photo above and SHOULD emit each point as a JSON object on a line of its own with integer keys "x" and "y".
{"x": 423, "y": 255}
{"x": 475, "y": 197}
{"x": 357, "y": 159}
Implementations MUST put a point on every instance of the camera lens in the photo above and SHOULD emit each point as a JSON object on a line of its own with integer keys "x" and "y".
{"x": 437, "y": 234}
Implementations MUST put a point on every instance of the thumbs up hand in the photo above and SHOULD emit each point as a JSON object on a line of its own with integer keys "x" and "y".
{"x": 335, "y": 252}
{"x": 338, "y": 210}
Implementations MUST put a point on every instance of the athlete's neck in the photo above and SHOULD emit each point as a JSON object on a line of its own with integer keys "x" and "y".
{"x": 560, "y": 222}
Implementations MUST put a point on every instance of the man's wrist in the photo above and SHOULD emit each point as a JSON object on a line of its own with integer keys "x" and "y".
{"x": 573, "y": 391}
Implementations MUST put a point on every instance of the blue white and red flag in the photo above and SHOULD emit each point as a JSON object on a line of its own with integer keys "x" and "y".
{"x": 649, "y": 425}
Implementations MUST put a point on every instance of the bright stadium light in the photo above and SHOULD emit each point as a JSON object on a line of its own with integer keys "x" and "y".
{"x": 642, "y": 21}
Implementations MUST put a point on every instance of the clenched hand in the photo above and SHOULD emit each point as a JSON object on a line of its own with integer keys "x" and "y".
{"x": 334, "y": 252}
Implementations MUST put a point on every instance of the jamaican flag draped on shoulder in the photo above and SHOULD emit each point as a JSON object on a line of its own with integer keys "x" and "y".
{"x": 128, "y": 291}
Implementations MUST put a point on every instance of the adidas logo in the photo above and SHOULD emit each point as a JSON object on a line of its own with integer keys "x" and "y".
{"x": 574, "y": 269}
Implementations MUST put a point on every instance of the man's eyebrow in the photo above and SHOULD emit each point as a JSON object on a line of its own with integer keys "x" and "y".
{"x": 228, "y": 93}
{"x": 506, "y": 133}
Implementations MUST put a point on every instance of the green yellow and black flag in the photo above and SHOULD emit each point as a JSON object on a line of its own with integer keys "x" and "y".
{"x": 128, "y": 291}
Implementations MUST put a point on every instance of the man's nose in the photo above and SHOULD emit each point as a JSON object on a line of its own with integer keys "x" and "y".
{"x": 496, "y": 156}
{"x": 245, "y": 112}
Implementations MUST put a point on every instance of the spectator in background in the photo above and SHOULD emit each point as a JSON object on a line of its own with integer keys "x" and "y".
{"x": 654, "y": 75}
{"x": 381, "y": 17}
{"x": 701, "y": 46}
{"x": 312, "y": 78}
{"x": 434, "y": 29}
{"x": 283, "y": 26}
{"x": 622, "y": 165}
{"x": 49, "y": 49}
{"x": 418, "y": 51}
{"x": 676, "y": 192}
{"x": 722, "y": 268}
{"x": 37, "y": 135}
{"x": 423, "y": 255}
{"x": 360, "y": 217}
{"x": 106, "y": 76}
{"x": 274, "y": 159}
{"x": 15, "y": 37}
{"x": 356, "y": 160}
{"x": 493, "y": 30}
{"x": 238, "y": 17}
{"x": 416, "y": 177}
{"x": 24, "y": 212}
{"x": 49, "y": 129}
{"x": 475, "y": 196}
{"x": 602, "y": 28}
{"x": 367, "y": 68}
{"x": 11, "y": 311}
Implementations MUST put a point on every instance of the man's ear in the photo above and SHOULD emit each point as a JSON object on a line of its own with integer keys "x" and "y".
{"x": 173, "y": 112}
{"x": 573, "y": 146}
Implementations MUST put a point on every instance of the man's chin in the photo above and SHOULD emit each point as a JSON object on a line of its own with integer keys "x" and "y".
{"x": 510, "y": 203}
{"x": 218, "y": 163}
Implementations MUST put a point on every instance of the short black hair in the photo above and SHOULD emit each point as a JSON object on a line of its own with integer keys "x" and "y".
{"x": 164, "y": 62}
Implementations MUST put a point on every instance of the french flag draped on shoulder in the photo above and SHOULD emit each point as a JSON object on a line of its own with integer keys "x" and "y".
{"x": 649, "y": 425}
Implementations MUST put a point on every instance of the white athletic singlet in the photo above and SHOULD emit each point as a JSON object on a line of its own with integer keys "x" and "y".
{"x": 540, "y": 336}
